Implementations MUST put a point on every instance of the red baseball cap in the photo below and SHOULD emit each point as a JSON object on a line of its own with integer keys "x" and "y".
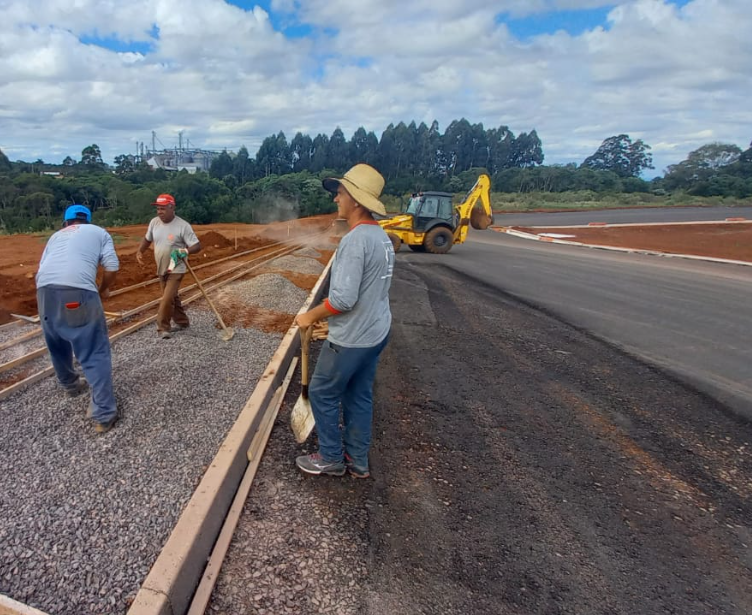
{"x": 163, "y": 200}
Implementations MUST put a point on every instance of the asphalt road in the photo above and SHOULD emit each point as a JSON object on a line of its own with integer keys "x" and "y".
{"x": 635, "y": 215}
{"x": 524, "y": 462}
{"x": 688, "y": 317}
{"x": 524, "y": 465}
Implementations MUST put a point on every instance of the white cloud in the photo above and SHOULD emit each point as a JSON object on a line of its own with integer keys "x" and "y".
{"x": 675, "y": 77}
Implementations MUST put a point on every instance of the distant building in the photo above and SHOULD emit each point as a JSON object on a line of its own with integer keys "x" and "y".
{"x": 179, "y": 160}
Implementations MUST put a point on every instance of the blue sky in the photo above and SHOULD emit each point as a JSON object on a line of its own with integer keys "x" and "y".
{"x": 674, "y": 73}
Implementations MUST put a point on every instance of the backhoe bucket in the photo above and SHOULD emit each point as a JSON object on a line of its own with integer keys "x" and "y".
{"x": 479, "y": 220}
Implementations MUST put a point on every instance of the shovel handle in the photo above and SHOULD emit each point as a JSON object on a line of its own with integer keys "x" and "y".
{"x": 203, "y": 292}
{"x": 305, "y": 343}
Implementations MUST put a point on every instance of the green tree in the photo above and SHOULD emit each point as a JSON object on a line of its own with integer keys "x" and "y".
{"x": 124, "y": 163}
{"x": 338, "y": 151}
{"x": 5, "y": 165}
{"x": 242, "y": 166}
{"x": 363, "y": 147}
{"x": 527, "y": 150}
{"x": 91, "y": 157}
{"x": 319, "y": 153}
{"x": 273, "y": 157}
{"x": 301, "y": 148}
{"x": 701, "y": 165}
{"x": 621, "y": 156}
{"x": 221, "y": 166}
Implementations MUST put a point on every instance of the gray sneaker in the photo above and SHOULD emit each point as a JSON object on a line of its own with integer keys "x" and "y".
{"x": 315, "y": 464}
{"x": 354, "y": 470}
{"x": 78, "y": 387}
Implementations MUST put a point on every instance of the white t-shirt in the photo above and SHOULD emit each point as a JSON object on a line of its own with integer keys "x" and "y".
{"x": 177, "y": 233}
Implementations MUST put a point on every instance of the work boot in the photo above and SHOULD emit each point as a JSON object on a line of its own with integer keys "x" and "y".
{"x": 107, "y": 425}
{"x": 165, "y": 335}
{"x": 354, "y": 470}
{"x": 315, "y": 464}
{"x": 78, "y": 387}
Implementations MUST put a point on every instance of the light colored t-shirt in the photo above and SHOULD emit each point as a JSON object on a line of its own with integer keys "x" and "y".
{"x": 359, "y": 288}
{"x": 73, "y": 255}
{"x": 177, "y": 233}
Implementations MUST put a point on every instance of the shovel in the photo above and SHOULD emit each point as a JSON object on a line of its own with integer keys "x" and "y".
{"x": 227, "y": 333}
{"x": 301, "y": 417}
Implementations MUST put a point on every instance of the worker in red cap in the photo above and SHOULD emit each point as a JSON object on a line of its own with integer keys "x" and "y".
{"x": 172, "y": 236}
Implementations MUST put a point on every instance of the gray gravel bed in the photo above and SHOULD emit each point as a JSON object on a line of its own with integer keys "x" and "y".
{"x": 18, "y": 350}
{"x": 23, "y": 371}
{"x": 83, "y": 516}
{"x": 270, "y": 291}
{"x": 298, "y": 264}
{"x": 301, "y": 545}
{"x": 309, "y": 251}
{"x": 12, "y": 332}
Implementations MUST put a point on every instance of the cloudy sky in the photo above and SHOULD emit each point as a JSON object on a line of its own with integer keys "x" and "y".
{"x": 675, "y": 73}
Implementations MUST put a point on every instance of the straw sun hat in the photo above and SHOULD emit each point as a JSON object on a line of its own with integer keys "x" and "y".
{"x": 364, "y": 184}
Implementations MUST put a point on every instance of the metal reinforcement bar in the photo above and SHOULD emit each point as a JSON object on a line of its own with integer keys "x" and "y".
{"x": 123, "y": 315}
{"x": 286, "y": 245}
{"x": 6, "y": 392}
{"x": 173, "y": 578}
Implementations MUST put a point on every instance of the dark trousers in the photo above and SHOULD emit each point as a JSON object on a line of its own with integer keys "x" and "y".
{"x": 170, "y": 307}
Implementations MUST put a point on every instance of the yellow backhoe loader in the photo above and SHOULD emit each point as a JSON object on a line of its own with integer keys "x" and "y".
{"x": 431, "y": 223}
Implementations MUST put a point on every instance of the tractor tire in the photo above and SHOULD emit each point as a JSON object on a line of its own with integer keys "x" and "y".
{"x": 396, "y": 241}
{"x": 438, "y": 240}
{"x": 414, "y": 248}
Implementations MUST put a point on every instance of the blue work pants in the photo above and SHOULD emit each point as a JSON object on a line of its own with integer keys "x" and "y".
{"x": 344, "y": 376}
{"x": 73, "y": 322}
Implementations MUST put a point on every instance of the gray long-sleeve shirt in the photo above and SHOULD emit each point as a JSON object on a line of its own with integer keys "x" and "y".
{"x": 73, "y": 255}
{"x": 359, "y": 287}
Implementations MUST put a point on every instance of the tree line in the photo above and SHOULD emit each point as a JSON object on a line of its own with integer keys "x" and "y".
{"x": 282, "y": 180}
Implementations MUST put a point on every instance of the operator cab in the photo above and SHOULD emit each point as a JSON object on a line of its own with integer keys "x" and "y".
{"x": 427, "y": 208}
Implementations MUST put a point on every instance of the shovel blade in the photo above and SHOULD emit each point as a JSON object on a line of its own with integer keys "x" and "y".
{"x": 227, "y": 334}
{"x": 301, "y": 419}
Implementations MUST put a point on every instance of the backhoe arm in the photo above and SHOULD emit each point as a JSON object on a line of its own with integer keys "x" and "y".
{"x": 469, "y": 214}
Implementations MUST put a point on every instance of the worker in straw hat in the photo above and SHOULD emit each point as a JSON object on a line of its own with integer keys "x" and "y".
{"x": 359, "y": 321}
{"x": 71, "y": 312}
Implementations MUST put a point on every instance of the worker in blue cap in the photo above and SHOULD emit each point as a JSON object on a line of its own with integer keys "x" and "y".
{"x": 71, "y": 312}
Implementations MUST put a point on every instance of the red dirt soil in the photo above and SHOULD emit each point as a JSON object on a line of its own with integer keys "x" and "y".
{"x": 20, "y": 255}
{"x": 729, "y": 240}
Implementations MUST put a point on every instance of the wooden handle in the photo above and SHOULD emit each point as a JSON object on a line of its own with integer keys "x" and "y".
{"x": 305, "y": 343}
{"x": 203, "y": 292}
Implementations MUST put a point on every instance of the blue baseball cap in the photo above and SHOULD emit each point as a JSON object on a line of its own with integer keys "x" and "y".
{"x": 77, "y": 212}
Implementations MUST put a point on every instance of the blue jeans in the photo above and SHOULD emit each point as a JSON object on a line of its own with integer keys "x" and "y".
{"x": 344, "y": 375}
{"x": 81, "y": 330}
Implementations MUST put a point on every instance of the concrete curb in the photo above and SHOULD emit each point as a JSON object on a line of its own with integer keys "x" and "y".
{"x": 738, "y": 220}
{"x": 524, "y": 235}
{"x": 173, "y": 578}
{"x": 9, "y": 606}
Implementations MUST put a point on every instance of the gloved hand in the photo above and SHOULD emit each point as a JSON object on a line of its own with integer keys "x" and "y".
{"x": 176, "y": 256}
